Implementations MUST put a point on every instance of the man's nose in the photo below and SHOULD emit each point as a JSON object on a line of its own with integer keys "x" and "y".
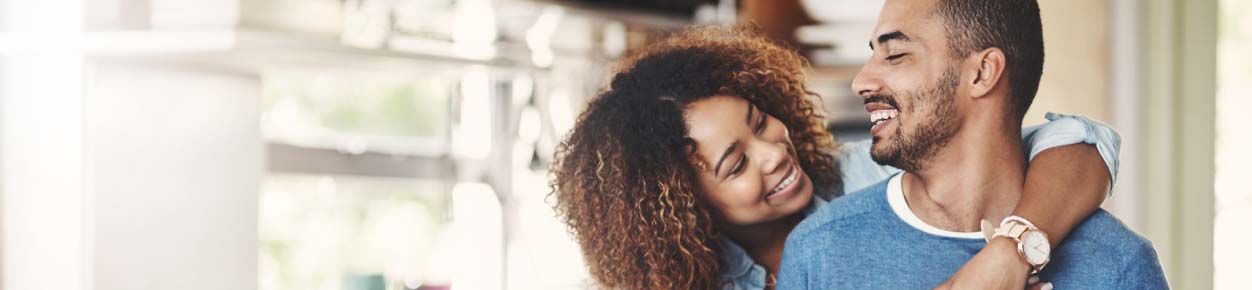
{"x": 868, "y": 81}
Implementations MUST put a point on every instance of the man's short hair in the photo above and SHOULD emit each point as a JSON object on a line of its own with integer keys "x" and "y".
{"x": 1013, "y": 26}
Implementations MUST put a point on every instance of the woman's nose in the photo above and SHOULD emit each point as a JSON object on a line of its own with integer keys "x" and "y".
{"x": 776, "y": 157}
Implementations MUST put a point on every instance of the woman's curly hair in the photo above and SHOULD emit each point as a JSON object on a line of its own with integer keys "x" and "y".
{"x": 625, "y": 176}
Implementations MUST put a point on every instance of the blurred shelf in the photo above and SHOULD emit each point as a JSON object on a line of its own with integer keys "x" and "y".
{"x": 844, "y": 109}
{"x": 296, "y": 159}
{"x": 414, "y": 49}
{"x": 251, "y": 51}
{"x": 839, "y": 72}
{"x": 157, "y": 41}
{"x": 119, "y": 42}
{"x": 623, "y": 14}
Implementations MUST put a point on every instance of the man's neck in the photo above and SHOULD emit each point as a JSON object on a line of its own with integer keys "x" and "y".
{"x": 976, "y": 176}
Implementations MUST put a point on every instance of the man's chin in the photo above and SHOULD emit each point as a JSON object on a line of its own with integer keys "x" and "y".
{"x": 878, "y": 144}
{"x": 883, "y": 155}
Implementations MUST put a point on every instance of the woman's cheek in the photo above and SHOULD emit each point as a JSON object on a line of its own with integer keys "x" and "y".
{"x": 747, "y": 189}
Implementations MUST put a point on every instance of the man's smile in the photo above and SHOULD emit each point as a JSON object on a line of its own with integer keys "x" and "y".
{"x": 882, "y": 112}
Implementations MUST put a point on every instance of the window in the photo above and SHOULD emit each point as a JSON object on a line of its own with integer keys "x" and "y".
{"x": 357, "y": 196}
{"x": 359, "y": 113}
{"x": 1234, "y": 200}
{"x": 379, "y": 182}
{"x": 346, "y": 232}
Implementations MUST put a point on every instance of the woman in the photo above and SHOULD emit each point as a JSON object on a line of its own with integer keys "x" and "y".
{"x": 650, "y": 208}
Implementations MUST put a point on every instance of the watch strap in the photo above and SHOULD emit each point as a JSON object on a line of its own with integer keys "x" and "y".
{"x": 988, "y": 230}
{"x": 1015, "y": 227}
{"x": 1012, "y": 231}
{"x": 1018, "y": 219}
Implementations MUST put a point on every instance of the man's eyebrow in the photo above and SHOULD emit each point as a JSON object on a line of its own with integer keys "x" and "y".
{"x": 731, "y": 149}
{"x": 894, "y": 35}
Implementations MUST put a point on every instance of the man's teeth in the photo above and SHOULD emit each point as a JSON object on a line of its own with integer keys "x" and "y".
{"x": 880, "y": 116}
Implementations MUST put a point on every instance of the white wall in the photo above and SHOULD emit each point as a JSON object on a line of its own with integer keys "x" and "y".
{"x": 177, "y": 163}
{"x": 115, "y": 175}
{"x": 42, "y": 173}
{"x": 146, "y": 181}
{"x": 1076, "y": 67}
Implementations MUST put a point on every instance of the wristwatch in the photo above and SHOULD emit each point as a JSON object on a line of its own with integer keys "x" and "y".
{"x": 1032, "y": 243}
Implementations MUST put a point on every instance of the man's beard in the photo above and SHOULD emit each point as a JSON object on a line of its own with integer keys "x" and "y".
{"x": 934, "y": 111}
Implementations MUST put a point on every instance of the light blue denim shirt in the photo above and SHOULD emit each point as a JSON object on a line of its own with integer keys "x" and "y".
{"x": 859, "y": 171}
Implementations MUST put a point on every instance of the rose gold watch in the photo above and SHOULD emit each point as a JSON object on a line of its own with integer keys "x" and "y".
{"x": 1032, "y": 243}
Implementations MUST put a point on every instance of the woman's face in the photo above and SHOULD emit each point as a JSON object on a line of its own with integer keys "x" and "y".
{"x": 749, "y": 171}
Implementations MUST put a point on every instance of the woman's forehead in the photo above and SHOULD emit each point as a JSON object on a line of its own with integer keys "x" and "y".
{"x": 713, "y": 116}
{"x": 714, "y": 123}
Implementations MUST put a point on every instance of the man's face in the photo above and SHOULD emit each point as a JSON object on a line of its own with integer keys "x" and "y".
{"x": 909, "y": 85}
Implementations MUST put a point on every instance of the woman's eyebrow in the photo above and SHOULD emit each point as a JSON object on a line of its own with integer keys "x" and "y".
{"x": 731, "y": 149}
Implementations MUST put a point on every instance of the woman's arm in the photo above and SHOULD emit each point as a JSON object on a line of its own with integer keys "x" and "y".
{"x": 1063, "y": 186}
{"x": 859, "y": 170}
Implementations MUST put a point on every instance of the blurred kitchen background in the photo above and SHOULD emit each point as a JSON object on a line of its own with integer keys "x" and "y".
{"x": 402, "y": 144}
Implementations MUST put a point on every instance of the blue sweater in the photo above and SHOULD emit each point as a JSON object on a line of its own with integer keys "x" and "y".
{"x": 871, "y": 240}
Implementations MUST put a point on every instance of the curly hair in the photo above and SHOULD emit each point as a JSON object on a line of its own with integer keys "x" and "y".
{"x": 625, "y": 177}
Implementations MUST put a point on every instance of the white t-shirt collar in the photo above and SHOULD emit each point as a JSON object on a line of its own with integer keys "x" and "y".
{"x": 895, "y": 198}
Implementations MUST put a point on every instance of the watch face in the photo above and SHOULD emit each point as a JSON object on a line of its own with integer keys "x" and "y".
{"x": 1035, "y": 247}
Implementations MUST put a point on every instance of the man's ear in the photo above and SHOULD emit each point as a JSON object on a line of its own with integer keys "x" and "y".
{"x": 989, "y": 67}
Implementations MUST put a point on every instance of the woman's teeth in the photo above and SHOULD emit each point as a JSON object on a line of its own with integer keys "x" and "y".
{"x": 786, "y": 182}
{"x": 880, "y": 116}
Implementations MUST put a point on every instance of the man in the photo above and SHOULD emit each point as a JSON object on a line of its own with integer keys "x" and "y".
{"x": 947, "y": 88}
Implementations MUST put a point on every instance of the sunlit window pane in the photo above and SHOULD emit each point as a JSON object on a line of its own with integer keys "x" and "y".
{"x": 339, "y": 232}
{"x": 1234, "y": 199}
{"x": 357, "y": 113}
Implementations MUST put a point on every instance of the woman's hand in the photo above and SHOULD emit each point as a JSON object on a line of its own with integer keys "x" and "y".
{"x": 997, "y": 267}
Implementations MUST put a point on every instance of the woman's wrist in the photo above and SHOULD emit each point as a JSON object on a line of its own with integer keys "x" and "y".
{"x": 996, "y": 266}
{"x": 1004, "y": 250}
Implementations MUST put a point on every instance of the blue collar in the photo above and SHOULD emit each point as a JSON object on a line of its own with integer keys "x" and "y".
{"x": 743, "y": 272}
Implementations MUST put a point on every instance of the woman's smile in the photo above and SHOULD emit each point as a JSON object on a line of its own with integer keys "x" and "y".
{"x": 787, "y": 187}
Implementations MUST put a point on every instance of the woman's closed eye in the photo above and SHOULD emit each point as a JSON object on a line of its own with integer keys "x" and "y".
{"x": 738, "y": 168}
{"x": 760, "y": 124}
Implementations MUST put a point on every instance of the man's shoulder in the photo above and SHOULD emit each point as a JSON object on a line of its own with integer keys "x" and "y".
{"x": 836, "y": 232}
{"x": 1108, "y": 232}
{"x": 1103, "y": 251}
{"x": 851, "y": 207}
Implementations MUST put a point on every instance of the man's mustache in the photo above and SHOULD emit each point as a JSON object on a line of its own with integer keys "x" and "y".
{"x": 880, "y": 98}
